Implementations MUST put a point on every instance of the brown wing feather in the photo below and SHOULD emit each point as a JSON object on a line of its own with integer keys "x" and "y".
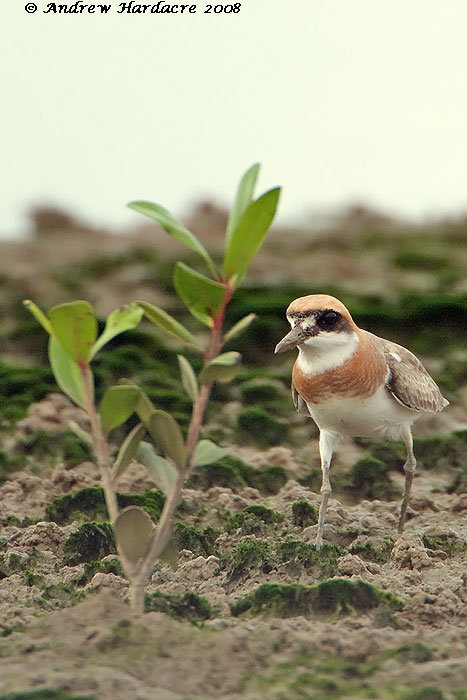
{"x": 299, "y": 402}
{"x": 409, "y": 382}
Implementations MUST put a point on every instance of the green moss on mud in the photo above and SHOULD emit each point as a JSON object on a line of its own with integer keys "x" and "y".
{"x": 31, "y": 578}
{"x": 75, "y": 450}
{"x": 446, "y": 542}
{"x": 13, "y": 563}
{"x": 111, "y": 566}
{"x": 453, "y": 375}
{"x": 91, "y": 541}
{"x": 189, "y": 606}
{"x": 222, "y": 473}
{"x": 377, "y": 549}
{"x": 269, "y": 480}
{"x": 254, "y": 519}
{"x": 200, "y": 542}
{"x": 442, "y": 452}
{"x": 41, "y": 447}
{"x": 324, "y": 676}
{"x": 418, "y": 258}
{"x": 65, "y": 446}
{"x": 369, "y": 479}
{"x": 332, "y": 597}
{"x": 171, "y": 400}
{"x": 324, "y": 560}
{"x": 20, "y": 387}
{"x": 151, "y": 500}
{"x": 425, "y": 693}
{"x": 255, "y": 553}
{"x": 391, "y": 453}
{"x": 438, "y": 452}
{"x": 8, "y": 464}
{"x": 45, "y": 694}
{"x": 248, "y": 554}
{"x": 257, "y": 426}
{"x": 58, "y": 595}
{"x": 312, "y": 480}
{"x": 85, "y": 504}
{"x": 89, "y": 504}
{"x": 13, "y": 520}
{"x": 233, "y": 473}
{"x": 459, "y": 482}
{"x": 137, "y": 352}
{"x": 262, "y": 390}
{"x": 304, "y": 514}
{"x": 417, "y": 652}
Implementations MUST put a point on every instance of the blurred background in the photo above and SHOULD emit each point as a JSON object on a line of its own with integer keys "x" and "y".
{"x": 343, "y": 103}
{"x": 356, "y": 109}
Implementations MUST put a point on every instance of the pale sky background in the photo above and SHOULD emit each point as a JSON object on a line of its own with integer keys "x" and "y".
{"x": 340, "y": 100}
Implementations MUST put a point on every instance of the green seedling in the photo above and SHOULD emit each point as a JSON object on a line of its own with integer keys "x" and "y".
{"x": 168, "y": 457}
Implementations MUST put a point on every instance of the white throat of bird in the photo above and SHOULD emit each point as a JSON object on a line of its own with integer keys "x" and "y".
{"x": 326, "y": 351}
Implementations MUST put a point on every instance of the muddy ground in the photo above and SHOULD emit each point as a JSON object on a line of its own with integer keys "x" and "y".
{"x": 242, "y": 607}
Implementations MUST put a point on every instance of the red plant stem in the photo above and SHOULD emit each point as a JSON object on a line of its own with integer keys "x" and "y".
{"x": 199, "y": 407}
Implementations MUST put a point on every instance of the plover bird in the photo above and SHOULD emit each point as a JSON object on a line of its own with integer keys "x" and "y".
{"x": 354, "y": 384}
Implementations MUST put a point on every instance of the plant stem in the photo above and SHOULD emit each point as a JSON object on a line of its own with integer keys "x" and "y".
{"x": 101, "y": 449}
{"x": 104, "y": 463}
{"x": 197, "y": 416}
{"x": 163, "y": 529}
{"x": 137, "y": 597}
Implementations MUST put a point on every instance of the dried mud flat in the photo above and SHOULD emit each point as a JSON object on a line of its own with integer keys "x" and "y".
{"x": 67, "y": 627}
{"x": 95, "y": 648}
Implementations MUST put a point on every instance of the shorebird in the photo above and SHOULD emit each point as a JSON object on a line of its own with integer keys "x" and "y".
{"x": 354, "y": 384}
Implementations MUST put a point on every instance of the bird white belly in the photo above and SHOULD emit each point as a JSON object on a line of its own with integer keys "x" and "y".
{"x": 379, "y": 415}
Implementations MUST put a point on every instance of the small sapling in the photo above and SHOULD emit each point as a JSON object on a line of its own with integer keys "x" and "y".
{"x": 168, "y": 457}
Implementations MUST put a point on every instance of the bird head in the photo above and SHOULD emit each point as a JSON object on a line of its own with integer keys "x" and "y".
{"x": 319, "y": 322}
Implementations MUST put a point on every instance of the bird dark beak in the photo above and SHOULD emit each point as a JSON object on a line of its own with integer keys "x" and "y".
{"x": 296, "y": 336}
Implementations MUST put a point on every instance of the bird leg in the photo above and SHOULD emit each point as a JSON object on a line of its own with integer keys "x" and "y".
{"x": 409, "y": 469}
{"x": 327, "y": 442}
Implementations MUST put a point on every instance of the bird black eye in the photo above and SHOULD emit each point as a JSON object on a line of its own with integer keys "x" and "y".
{"x": 328, "y": 319}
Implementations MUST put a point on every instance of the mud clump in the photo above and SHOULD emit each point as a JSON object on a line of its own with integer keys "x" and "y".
{"x": 333, "y": 597}
{"x": 89, "y": 504}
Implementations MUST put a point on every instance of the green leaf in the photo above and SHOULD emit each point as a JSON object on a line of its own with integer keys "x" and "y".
{"x": 206, "y": 452}
{"x": 39, "y": 315}
{"x": 117, "y": 405}
{"x": 247, "y": 238}
{"x": 163, "y": 473}
{"x": 68, "y": 375}
{"x": 189, "y": 381}
{"x": 145, "y": 408}
{"x": 243, "y": 200}
{"x": 133, "y": 530}
{"x": 75, "y": 326}
{"x": 222, "y": 368}
{"x": 167, "y": 436}
{"x": 162, "y": 319}
{"x": 239, "y": 327}
{"x": 163, "y": 428}
{"x": 202, "y": 297}
{"x": 117, "y": 322}
{"x": 176, "y": 229}
{"x": 227, "y": 359}
{"x": 79, "y": 432}
{"x": 128, "y": 449}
